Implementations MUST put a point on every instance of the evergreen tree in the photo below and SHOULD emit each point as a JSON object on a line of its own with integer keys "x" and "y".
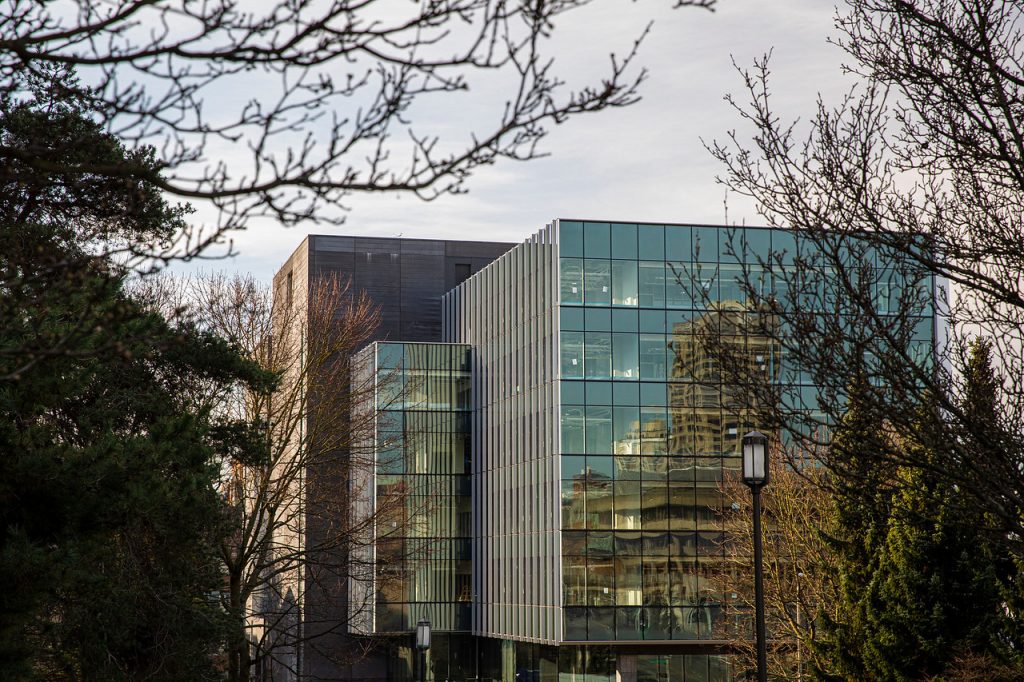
{"x": 934, "y": 593}
{"x": 984, "y": 435}
{"x": 108, "y": 514}
{"x": 855, "y": 527}
{"x": 917, "y": 577}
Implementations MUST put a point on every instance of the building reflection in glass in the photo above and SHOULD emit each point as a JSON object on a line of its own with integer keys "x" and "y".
{"x": 642, "y": 536}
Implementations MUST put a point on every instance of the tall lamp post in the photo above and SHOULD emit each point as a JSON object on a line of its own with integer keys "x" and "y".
{"x": 422, "y": 644}
{"x": 755, "y": 475}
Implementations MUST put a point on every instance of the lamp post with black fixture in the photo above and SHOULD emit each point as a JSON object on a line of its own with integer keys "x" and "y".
{"x": 422, "y": 644}
{"x": 755, "y": 475}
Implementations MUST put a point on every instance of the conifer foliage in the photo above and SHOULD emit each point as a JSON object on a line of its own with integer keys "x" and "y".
{"x": 921, "y": 584}
{"x": 108, "y": 511}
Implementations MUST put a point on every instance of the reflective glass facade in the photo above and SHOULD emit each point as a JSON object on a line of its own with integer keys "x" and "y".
{"x": 421, "y": 549}
{"x": 646, "y": 430}
{"x": 561, "y": 457}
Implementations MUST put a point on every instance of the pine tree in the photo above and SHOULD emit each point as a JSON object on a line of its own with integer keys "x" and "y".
{"x": 934, "y": 593}
{"x": 108, "y": 515}
{"x": 917, "y": 577}
{"x": 855, "y": 528}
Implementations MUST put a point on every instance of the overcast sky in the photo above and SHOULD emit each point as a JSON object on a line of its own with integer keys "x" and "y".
{"x": 642, "y": 163}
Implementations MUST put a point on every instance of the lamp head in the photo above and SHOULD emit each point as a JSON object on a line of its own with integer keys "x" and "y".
{"x": 423, "y": 634}
{"x": 755, "y": 459}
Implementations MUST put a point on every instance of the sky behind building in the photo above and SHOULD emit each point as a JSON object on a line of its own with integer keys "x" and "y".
{"x": 646, "y": 162}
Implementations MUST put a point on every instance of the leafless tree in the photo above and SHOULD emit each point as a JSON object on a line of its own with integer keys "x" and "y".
{"x": 303, "y": 462}
{"x": 905, "y": 196}
{"x": 797, "y": 564}
{"x": 321, "y": 99}
{"x": 279, "y": 109}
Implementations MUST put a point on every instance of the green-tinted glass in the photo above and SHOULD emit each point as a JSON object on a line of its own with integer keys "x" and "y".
{"x": 570, "y": 239}
{"x": 571, "y": 278}
{"x": 596, "y": 240}
{"x": 651, "y": 242}
{"x": 624, "y": 282}
{"x": 678, "y": 244}
{"x": 624, "y": 241}
{"x": 597, "y": 281}
{"x": 571, "y": 318}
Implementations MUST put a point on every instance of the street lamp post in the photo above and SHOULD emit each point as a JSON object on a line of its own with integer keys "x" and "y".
{"x": 755, "y": 475}
{"x": 422, "y": 644}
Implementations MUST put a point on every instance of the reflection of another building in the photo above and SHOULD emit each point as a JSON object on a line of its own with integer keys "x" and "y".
{"x": 641, "y": 529}
{"x": 706, "y": 420}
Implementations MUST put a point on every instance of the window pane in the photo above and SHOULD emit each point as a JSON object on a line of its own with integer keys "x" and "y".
{"x": 627, "y": 468}
{"x": 570, "y": 238}
{"x": 677, "y": 244}
{"x": 651, "y": 242}
{"x": 599, "y": 430}
{"x": 626, "y": 393}
{"x": 651, "y": 288}
{"x": 574, "y": 466}
{"x": 705, "y": 243}
{"x": 655, "y": 505}
{"x": 653, "y": 394}
{"x": 599, "y": 392}
{"x": 655, "y": 577}
{"x": 623, "y": 241}
{"x": 704, "y": 281}
{"x": 628, "y": 580}
{"x": 625, "y": 360}
{"x": 626, "y": 436}
{"x": 624, "y": 282}
{"x": 598, "y": 319}
{"x": 597, "y": 282}
{"x": 573, "y": 430}
{"x": 599, "y": 466}
{"x": 627, "y": 505}
{"x": 572, "y": 280}
{"x": 575, "y": 623}
{"x": 574, "y": 580}
{"x": 572, "y": 392}
{"x": 601, "y": 626}
{"x": 601, "y": 582}
{"x": 682, "y": 506}
{"x": 627, "y": 623}
{"x": 572, "y": 354}
{"x": 731, "y": 281}
{"x": 658, "y": 621}
{"x": 574, "y": 542}
{"x": 596, "y": 240}
{"x": 600, "y": 544}
{"x": 652, "y": 321}
{"x": 599, "y": 504}
{"x": 653, "y": 431}
{"x": 571, "y": 318}
{"x": 678, "y": 286}
{"x": 572, "y": 504}
{"x": 624, "y": 321}
{"x": 652, "y": 356}
{"x": 598, "y": 355}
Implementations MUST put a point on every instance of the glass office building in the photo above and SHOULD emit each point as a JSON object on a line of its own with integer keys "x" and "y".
{"x": 582, "y": 535}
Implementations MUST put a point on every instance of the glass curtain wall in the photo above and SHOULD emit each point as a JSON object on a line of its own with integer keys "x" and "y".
{"x": 646, "y": 433}
{"x": 647, "y": 428}
{"x": 421, "y": 491}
